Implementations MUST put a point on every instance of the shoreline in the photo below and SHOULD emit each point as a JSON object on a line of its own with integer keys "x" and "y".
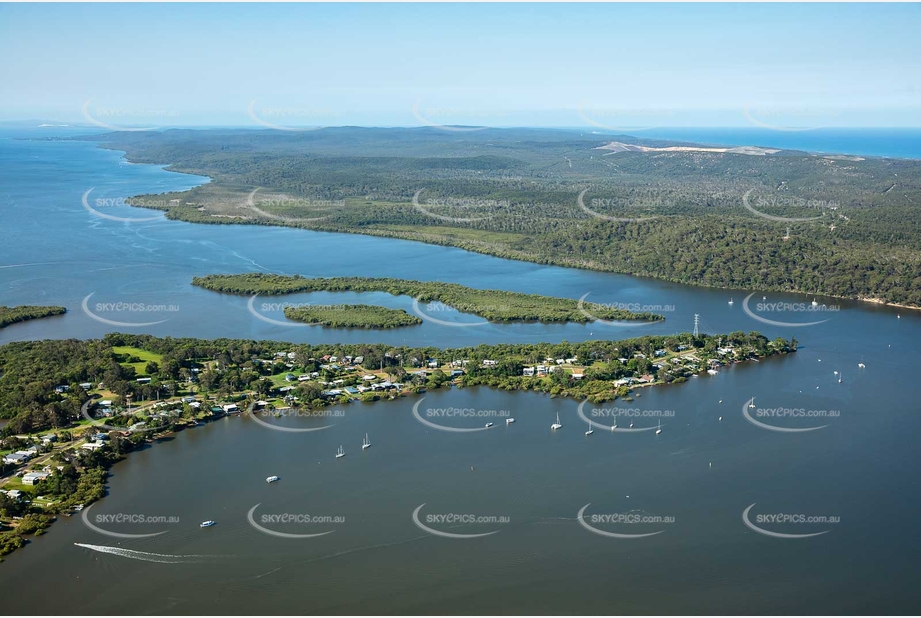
{"x": 510, "y": 254}
{"x": 571, "y": 378}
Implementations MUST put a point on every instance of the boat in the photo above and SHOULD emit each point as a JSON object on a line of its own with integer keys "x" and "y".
{"x": 366, "y": 443}
{"x": 631, "y": 425}
{"x": 590, "y": 430}
{"x": 659, "y": 429}
{"x": 815, "y": 303}
{"x": 509, "y": 421}
{"x": 557, "y": 424}
{"x": 712, "y": 372}
{"x": 272, "y": 479}
{"x": 752, "y": 404}
{"x": 861, "y": 365}
{"x": 340, "y": 452}
{"x": 488, "y": 425}
{"x": 207, "y": 524}
{"x": 730, "y": 300}
{"x": 78, "y": 508}
{"x": 839, "y": 379}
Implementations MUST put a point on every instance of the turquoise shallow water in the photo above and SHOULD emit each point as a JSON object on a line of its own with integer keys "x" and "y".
{"x": 860, "y": 468}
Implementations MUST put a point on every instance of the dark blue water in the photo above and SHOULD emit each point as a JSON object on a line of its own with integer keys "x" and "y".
{"x": 701, "y": 470}
{"x": 897, "y": 143}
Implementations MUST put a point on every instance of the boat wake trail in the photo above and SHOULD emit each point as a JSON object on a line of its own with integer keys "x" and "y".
{"x": 330, "y": 556}
{"x": 250, "y": 260}
{"x": 147, "y": 556}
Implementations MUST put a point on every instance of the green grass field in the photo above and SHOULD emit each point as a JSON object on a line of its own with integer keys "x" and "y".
{"x": 140, "y": 368}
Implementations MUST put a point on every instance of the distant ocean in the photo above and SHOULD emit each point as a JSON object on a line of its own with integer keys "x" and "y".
{"x": 898, "y": 143}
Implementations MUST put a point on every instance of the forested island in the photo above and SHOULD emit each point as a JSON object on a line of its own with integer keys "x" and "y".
{"x": 12, "y": 315}
{"x": 749, "y": 218}
{"x": 351, "y": 316}
{"x": 493, "y": 305}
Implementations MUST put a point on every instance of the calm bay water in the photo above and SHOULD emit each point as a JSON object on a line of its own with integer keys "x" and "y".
{"x": 701, "y": 471}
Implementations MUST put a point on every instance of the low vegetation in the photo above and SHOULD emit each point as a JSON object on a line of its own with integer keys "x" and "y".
{"x": 12, "y": 315}
{"x": 351, "y": 316}
{"x": 493, "y": 305}
{"x": 855, "y": 230}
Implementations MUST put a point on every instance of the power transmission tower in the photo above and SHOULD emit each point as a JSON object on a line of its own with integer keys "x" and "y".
{"x": 696, "y": 325}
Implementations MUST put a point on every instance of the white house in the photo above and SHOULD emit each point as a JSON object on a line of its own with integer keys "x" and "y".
{"x": 32, "y": 478}
{"x": 16, "y": 458}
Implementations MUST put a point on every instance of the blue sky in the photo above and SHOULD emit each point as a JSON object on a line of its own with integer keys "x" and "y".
{"x": 611, "y": 65}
